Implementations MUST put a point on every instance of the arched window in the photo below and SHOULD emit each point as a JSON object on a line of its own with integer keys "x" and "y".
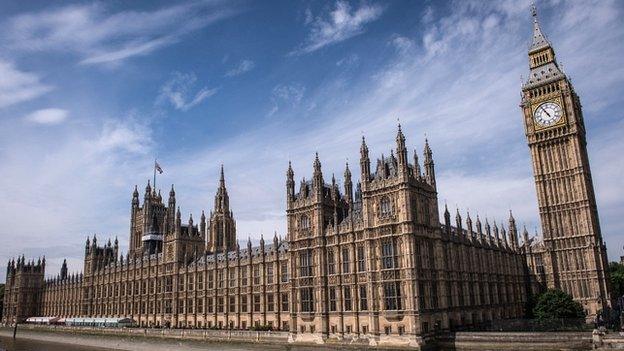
{"x": 304, "y": 222}
{"x": 385, "y": 207}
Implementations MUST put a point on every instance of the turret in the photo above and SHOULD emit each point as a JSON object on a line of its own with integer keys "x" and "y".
{"x": 513, "y": 231}
{"x": 401, "y": 152}
{"x": 178, "y": 222}
{"x": 458, "y": 222}
{"x": 348, "y": 186}
{"x": 202, "y": 225}
{"x": 172, "y": 198}
{"x": 290, "y": 183}
{"x": 222, "y": 199}
{"x": 364, "y": 162}
{"x": 447, "y": 219}
{"x": 525, "y": 237}
{"x": 417, "y": 171}
{"x": 64, "y": 270}
{"x": 429, "y": 165}
{"x": 135, "y": 198}
{"x": 471, "y": 233}
{"x": 148, "y": 192}
{"x": 190, "y": 224}
{"x": 317, "y": 177}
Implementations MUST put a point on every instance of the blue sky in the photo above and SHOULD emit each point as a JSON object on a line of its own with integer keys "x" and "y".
{"x": 91, "y": 92}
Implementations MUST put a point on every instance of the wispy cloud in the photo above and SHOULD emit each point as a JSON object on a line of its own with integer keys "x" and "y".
{"x": 17, "y": 86}
{"x": 286, "y": 95}
{"x": 178, "y": 91}
{"x": 243, "y": 67}
{"x": 101, "y": 36}
{"x": 47, "y": 116}
{"x": 338, "y": 25}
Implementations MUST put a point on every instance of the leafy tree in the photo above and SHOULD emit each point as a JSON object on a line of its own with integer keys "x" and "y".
{"x": 616, "y": 271}
{"x": 556, "y": 304}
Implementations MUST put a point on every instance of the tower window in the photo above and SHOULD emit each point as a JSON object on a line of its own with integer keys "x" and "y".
{"x": 345, "y": 260}
{"x": 331, "y": 263}
{"x": 304, "y": 222}
{"x": 360, "y": 259}
{"x": 385, "y": 207}
{"x": 392, "y": 296}
{"x": 305, "y": 263}
{"x": 307, "y": 300}
{"x": 388, "y": 255}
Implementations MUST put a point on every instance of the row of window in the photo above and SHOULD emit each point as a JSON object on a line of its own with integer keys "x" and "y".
{"x": 392, "y": 299}
{"x": 191, "y": 306}
{"x": 389, "y": 259}
{"x": 188, "y": 283}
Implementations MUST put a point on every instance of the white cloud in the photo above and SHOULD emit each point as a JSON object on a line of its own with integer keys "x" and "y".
{"x": 178, "y": 91}
{"x": 69, "y": 184}
{"x": 100, "y": 36}
{"x": 339, "y": 25}
{"x": 286, "y": 95}
{"x": 17, "y": 86}
{"x": 243, "y": 67}
{"x": 47, "y": 116}
{"x": 461, "y": 88}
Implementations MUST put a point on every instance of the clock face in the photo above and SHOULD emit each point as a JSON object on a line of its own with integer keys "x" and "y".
{"x": 547, "y": 114}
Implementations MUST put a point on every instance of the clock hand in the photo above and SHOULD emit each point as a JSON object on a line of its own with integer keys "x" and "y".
{"x": 546, "y": 112}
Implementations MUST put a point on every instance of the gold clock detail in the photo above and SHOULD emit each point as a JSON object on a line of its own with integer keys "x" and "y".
{"x": 548, "y": 114}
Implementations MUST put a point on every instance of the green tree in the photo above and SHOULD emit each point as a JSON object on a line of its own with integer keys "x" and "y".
{"x": 616, "y": 271}
{"x": 556, "y": 304}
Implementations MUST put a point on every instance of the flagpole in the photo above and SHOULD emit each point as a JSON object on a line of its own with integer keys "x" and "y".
{"x": 154, "y": 174}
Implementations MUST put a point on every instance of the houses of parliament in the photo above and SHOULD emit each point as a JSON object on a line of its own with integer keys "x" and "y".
{"x": 371, "y": 259}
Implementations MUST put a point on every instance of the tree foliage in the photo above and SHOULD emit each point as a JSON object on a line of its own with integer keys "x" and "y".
{"x": 556, "y": 304}
{"x": 616, "y": 271}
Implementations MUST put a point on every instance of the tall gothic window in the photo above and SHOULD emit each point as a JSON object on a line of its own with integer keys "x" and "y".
{"x": 285, "y": 302}
{"x": 304, "y": 223}
{"x": 347, "y": 298}
{"x": 388, "y": 254}
{"x": 385, "y": 206}
{"x": 363, "y": 299}
{"x": 256, "y": 274}
{"x": 331, "y": 262}
{"x": 307, "y": 299}
{"x": 305, "y": 263}
{"x": 332, "y": 299}
{"x": 360, "y": 259}
{"x": 284, "y": 272}
{"x": 392, "y": 296}
{"x": 345, "y": 260}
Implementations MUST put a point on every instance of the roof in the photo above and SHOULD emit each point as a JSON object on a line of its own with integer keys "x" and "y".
{"x": 544, "y": 74}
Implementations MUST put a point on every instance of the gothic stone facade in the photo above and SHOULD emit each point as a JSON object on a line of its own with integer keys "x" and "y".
{"x": 371, "y": 260}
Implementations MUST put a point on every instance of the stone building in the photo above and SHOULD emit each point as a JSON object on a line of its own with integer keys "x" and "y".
{"x": 573, "y": 254}
{"x": 369, "y": 260}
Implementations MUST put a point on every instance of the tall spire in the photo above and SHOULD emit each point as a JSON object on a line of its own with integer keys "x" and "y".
{"x": 364, "y": 162}
{"x": 348, "y": 184}
{"x": 429, "y": 165}
{"x": 222, "y": 199}
{"x": 290, "y": 183}
{"x": 401, "y": 151}
{"x": 539, "y": 39}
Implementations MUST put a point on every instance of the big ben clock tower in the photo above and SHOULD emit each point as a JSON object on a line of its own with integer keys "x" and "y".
{"x": 575, "y": 255}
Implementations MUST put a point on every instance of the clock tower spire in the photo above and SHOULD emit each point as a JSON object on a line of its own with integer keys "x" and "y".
{"x": 575, "y": 255}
